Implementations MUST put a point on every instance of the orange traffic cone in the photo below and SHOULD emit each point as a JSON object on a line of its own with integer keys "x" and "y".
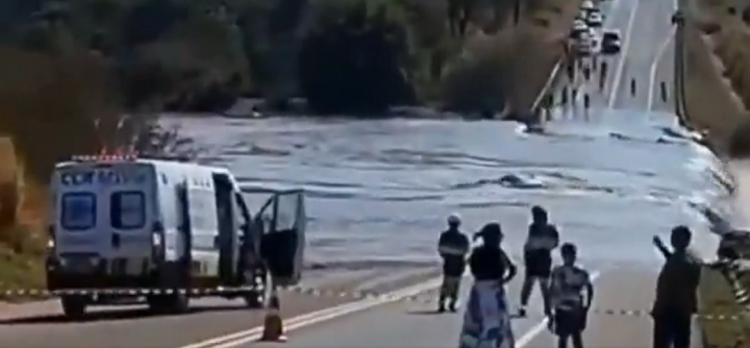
{"x": 273, "y": 325}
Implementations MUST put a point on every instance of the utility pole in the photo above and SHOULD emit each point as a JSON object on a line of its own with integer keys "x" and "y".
{"x": 516, "y": 12}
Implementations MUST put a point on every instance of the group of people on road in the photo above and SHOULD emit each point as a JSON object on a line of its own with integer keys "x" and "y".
{"x": 567, "y": 289}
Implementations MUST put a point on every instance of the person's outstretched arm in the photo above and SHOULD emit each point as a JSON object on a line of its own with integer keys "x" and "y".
{"x": 441, "y": 247}
{"x": 510, "y": 266}
{"x": 589, "y": 292}
{"x": 555, "y": 236}
{"x": 661, "y": 247}
{"x": 555, "y": 287}
{"x": 465, "y": 245}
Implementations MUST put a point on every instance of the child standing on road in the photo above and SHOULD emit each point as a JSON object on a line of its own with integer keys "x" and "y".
{"x": 570, "y": 311}
{"x": 453, "y": 247}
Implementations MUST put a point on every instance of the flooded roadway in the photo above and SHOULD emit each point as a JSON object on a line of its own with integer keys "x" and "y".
{"x": 381, "y": 189}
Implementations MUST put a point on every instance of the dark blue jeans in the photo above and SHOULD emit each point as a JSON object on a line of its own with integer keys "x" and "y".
{"x": 672, "y": 329}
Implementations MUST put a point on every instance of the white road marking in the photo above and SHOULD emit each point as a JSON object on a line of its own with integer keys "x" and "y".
{"x": 657, "y": 60}
{"x": 623, "y": 58}
{"x": 542, "y": 325}
{"x": 578, "y": 83}
{"x": 654, "y": 68}
{"x": 242, "y": 337}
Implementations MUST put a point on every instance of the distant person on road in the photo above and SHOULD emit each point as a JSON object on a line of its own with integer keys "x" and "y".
{"x": 487, "y": 319}
{"x": 570, "y": 311}
{"x": 541, "y": 240}
{"x": 571, "y": 67}
{"x": 676, "y": 299}
{"x": 453, "y": 247}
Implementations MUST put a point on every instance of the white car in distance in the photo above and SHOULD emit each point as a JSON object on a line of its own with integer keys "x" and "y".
{"x": 586, "y": 42}
{"x": 611, "y": 41}
{"x": 579, "y": 26}
{"x": 595, "y": 19}
{"x": 588, "y": 5}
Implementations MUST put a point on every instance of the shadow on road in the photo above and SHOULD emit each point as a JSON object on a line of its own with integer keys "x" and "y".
{"x": 427, "y": 312}
{"x": 113, "y": 315}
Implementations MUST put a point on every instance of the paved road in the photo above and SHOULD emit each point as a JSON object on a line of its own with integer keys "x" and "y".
{"x": 416, "y": 325}
{"x": 41, "y": 324}
{"x": 646, "y": 58}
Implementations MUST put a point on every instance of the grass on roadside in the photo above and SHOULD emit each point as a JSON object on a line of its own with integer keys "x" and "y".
{"x": 717, "y": 298}
{"x": 19, "y": 271}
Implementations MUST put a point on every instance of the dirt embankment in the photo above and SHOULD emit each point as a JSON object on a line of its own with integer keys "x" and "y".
{"x": 717, "y": 80}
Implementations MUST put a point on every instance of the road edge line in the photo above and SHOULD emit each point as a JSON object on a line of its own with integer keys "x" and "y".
{"x": 241, "y": 337}
{"x": 623, "y": 57}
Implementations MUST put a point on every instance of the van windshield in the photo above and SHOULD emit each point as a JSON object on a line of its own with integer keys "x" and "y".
{"x": 127, "y": 210}
{"x": 78, "y": 211}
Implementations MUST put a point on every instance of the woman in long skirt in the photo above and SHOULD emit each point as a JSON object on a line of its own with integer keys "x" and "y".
{"x": 487, "y": 321}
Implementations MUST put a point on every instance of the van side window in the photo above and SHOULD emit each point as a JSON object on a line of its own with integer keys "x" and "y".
{"x": 128, "y": 210}
{"x": 78, "y": 211}
{"x": 202, "y": 212}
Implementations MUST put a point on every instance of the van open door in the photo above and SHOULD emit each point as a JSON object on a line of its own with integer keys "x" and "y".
{"x": 282, "y": 222}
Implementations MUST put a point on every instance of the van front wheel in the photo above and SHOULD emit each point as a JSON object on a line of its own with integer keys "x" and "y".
{"x": 73, "y": 306}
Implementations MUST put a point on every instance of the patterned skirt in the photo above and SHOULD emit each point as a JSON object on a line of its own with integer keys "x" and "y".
{"x": 487, "y": 321}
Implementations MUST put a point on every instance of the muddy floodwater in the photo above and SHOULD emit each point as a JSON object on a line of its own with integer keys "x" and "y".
{"x": 380, "y": 190}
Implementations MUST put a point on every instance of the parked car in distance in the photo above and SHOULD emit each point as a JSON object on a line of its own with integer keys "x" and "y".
{"x": 595, "y": 19}
{"x": 611, "y": 41}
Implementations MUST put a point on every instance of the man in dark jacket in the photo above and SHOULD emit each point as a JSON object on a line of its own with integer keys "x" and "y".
{"x": 542, "y": 239}
{"x": 452, "y": 247}
{"x": 676, "y": 292}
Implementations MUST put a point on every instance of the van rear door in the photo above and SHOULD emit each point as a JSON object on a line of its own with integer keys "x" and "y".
{"x": 104, "y": 210}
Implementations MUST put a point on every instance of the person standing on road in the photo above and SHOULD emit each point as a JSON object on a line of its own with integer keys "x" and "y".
{"x": 570, "y": 312}
{"x": 602, "y": 75}
{"x": 452, "y": 247}
{"x": 542, "y": 239}
{"x": 487, "y": 319}
{"x": 676, "y": 299}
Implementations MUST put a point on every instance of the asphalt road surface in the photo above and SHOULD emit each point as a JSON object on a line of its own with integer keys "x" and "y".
{"x": 645, "y": 63}
{"x": 618, "y": 319}
{"x": 41, "y": 324}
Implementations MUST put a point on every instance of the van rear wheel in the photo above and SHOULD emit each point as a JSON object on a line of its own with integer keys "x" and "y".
{"x": 254, "y": 299}
{"x": 74, "y": 307}
{"x": 179, "y": 303}
{"x": 169, "y": 304}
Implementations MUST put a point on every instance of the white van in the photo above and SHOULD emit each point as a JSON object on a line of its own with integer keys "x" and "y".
{"x": 126, "y": 228}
